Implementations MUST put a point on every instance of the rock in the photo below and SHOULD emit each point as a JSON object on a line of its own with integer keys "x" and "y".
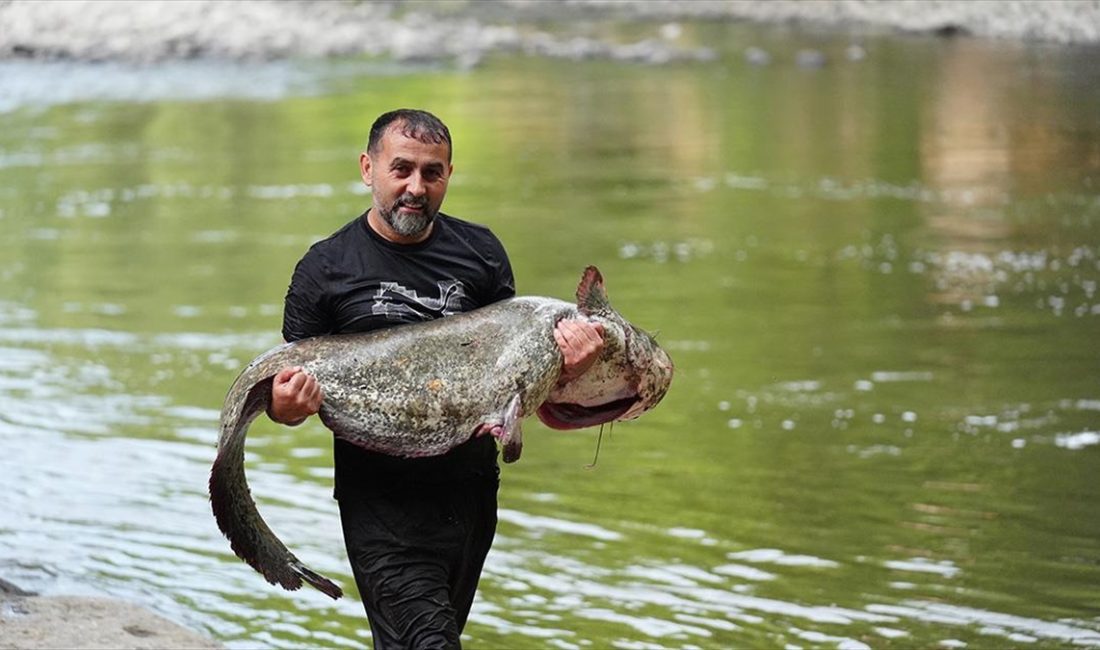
{"x": 1058, "y": 21}
{"x": 810, "y": 59}
{"x": 855, "y": 52}
{"x": 10, "y": 589}
{"x": 465, "y": 32}
{"x": 32, "y": 622}
{"x": 266, "y": 30}
{"x": 757, "y": 56}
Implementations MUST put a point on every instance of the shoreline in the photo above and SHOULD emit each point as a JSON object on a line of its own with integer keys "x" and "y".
{"x": 42, "y": 622}
{"x": 1053, "y": 21}
{"x": 466, "y": 31}
{"x": 31, "y": 622}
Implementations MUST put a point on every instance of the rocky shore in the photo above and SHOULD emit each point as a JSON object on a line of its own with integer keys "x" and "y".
{"x": 30, "y": 622}
{"x": 467, "y": 30}
{"x": 264, "y": 30}
{"x": 1058, "y": 21}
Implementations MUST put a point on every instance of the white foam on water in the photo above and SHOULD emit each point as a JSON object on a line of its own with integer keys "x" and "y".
{"x": 1015, "y": 628}
{"x": 687, "y": 533}
{"x": 1075, "y": 441}
{"x": 744, "y": 572}
{"x": 647, "y": 625}
{"x": 541, "y": 524}
{"x": 282, "y": 192}
{"x": 776, "y": 556}
{"x": 890, "y": 633}
{"x": 80, "y": 337}
{"x": 715, "y": 623}
{"x": 808, "y": 385}
{"x": 888, "y": 376}
{"x": 945, "y": 568}
{"x": 842, "y": 643}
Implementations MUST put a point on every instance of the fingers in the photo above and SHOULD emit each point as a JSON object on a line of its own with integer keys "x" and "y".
{"x": 579, "y": 336}
{"x": 312, "y": 393}
{"x": 581, "y": 343}
{"x": 285, "y": 374}
{"x": 487, "y": 429}
{"x": 295, "y": 395}
{"x": 560, "y": 339}
{"x": 294, "y": 380}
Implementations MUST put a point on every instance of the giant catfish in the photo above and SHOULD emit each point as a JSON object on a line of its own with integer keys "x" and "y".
{"x": 421, "y": 389}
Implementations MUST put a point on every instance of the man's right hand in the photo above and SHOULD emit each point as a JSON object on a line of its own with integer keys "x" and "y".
{"x": 295, "y": 395}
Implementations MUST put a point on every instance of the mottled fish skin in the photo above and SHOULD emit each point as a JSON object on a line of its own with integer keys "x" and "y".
{"x": 422, "y": 389}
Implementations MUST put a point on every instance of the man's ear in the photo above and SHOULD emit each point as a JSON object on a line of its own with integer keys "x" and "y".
{"x": 364, "y": 168}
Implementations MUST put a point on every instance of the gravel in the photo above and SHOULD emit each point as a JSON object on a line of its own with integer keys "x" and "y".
{"x": 465, "y": 31}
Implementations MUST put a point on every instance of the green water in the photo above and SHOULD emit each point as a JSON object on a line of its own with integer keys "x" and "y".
{"x": 878, "y": 280}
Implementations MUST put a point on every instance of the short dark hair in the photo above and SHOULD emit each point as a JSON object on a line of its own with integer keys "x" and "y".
{"x": 414, "y": 123}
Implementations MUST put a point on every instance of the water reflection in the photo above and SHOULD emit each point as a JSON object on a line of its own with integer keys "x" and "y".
{"x": 882, "y": 310}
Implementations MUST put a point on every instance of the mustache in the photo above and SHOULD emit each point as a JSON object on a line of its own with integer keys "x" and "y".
{"x": 410, "y": 201}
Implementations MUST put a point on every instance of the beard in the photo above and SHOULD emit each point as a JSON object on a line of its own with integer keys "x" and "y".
{"x": 408, "y": 224}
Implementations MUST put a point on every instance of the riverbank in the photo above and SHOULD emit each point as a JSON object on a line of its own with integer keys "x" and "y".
{"x": 32, "y": 622}
{"x": 466, "y": 31}
{"x": 1057, "y": 21}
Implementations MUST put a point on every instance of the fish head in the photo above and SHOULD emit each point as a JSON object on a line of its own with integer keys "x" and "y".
{"x": 630, "y": 377}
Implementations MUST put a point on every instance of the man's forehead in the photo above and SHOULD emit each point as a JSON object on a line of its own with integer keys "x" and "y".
{"x": 397, "y": 141}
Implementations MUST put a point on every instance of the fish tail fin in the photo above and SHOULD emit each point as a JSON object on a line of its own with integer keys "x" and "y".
{"x": 234, "y": 509}
{"x": 323, "y": 584}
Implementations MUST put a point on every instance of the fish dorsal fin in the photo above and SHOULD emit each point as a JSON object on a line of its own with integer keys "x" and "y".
{"x": 591, "y": 295}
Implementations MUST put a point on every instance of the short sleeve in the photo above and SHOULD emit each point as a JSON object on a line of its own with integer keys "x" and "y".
{"x": 304, "y": 310}
{"x": 505, "y": 286}
{"x": 503, "y": 283}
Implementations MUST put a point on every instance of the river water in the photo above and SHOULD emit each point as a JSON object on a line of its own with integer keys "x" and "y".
{"x": 878, "y": 279}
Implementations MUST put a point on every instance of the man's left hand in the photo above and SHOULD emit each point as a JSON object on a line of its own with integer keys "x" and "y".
{"x": 581, "y": 343}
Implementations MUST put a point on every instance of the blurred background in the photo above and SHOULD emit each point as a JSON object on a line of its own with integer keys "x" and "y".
{"x": 868, "y": 234}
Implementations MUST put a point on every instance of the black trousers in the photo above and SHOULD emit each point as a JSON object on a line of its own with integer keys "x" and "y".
{"x": 417, "y": 551}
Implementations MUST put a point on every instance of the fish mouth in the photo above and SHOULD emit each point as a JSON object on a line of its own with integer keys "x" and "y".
{"x": 566, "y": 415}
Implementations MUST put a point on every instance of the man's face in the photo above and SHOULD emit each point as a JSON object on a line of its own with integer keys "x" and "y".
{"x": 408, "y": 179}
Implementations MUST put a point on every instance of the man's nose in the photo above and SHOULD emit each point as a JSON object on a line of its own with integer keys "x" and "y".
{"x": 415, "y": 185}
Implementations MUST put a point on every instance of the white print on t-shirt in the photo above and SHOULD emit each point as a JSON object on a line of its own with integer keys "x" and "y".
{"x": 393, "y": 301}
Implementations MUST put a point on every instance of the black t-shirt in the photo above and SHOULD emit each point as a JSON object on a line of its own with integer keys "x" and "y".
{"x": 356, "y": 281}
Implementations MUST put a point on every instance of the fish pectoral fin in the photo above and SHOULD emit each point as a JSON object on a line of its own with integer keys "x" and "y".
{"x": 511, "y": 435}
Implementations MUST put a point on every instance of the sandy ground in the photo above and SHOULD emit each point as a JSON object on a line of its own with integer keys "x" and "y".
{"x": 31, "y": 622}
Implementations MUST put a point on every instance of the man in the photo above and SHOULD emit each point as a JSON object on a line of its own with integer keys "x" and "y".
{"x": 417, "y": 530}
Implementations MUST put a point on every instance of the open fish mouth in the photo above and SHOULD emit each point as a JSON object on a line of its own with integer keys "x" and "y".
{"x": 565, "y": 415}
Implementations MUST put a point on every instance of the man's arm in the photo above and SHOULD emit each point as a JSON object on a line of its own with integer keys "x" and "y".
{"x": 295, "y": 394}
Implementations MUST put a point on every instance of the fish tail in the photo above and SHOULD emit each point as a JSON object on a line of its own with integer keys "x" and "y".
{"x": 235, "y": 510}
{"x": 319, "y": 581}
